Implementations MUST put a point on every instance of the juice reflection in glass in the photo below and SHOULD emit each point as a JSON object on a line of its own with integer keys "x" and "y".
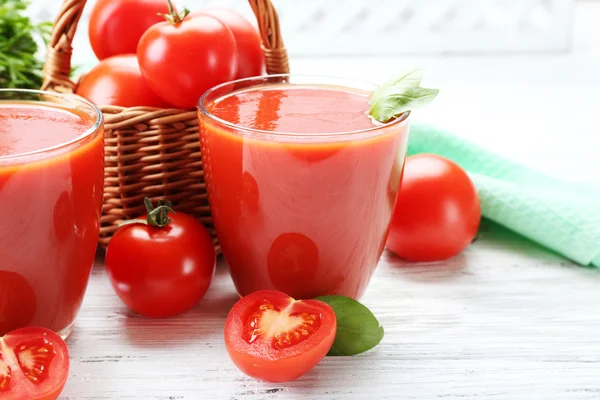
{"x": 301, "y": 182}
{"x": 51, "y": 184}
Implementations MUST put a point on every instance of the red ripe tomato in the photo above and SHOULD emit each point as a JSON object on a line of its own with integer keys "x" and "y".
{"x": 116, "y": 26}
{"x": 251, "y": 60}
{"x": 163, "y": 267}
{"x": 34, "y": 365}
{"x": 118, "y": 81}
{"x": 438, "y": 210}
{"x": 271, "y": 336}
{"x": 184, "y": 58}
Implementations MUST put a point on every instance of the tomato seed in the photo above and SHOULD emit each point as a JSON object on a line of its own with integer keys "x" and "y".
{"x": 5, "y": 374}
{"x": 34, "y": 358}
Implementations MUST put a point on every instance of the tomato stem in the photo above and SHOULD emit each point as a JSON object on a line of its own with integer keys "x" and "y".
{"x": 157, "y": 217}
{"x": 173, "y": 16}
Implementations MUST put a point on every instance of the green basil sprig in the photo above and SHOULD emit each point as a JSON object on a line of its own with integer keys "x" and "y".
{"x": 400, "y": 94}
{"x": 357, "y": 328}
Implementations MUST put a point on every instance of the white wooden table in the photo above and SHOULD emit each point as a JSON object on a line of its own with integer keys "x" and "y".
{"x": 504, "y": 320}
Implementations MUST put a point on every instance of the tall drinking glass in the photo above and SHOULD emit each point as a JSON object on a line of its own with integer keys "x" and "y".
{"x": 301, "y": 182}
{"x": 51, "y": 186}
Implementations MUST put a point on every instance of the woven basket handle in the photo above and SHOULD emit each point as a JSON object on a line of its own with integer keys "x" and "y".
{"x": 58, "y": 57}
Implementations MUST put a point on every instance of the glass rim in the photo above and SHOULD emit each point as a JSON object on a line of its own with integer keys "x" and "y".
{"x": 69, "y": 97}
{"x": 265, "y": 133}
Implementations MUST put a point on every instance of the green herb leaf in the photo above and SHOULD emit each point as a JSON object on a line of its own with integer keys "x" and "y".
{"x": 400, "y": 94}
{"x": 396, "y": 100}
{"x": 20, "y": 66}
{"x": 357, "y": 328}
{"x": 408, "y": 78}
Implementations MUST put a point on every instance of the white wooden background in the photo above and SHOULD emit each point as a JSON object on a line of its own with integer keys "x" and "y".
{"x": 504, "y": 320}
{"x": 375, "y": 27}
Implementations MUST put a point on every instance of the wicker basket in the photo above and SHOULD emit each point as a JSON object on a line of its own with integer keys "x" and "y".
{"x": 150, "y": 152}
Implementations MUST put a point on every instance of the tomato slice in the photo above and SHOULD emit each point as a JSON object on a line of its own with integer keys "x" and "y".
{"x": 271, "y": 336}
{"x": 34, "y": 365}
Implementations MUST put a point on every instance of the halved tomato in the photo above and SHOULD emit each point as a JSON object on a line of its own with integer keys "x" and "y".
{"x": 271, "y": 336}
{"x": 34, "y": 365}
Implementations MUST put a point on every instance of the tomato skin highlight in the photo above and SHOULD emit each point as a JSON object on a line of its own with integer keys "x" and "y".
{"x": 116, "y": 26}
{"x": 181, "y": 61}
{"x": 437, "y": 213}
{"x": 263, "y": 360}
{"x": 161, "y": 272}
{"x": 118, "y": 81}
{"x": 22, "y": 345}
{"x": 251, "y": 61}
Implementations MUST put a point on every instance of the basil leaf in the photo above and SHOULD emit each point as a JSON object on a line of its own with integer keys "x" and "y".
{"x": 357, "y": 328}
{"x": 396, "y": 100}
{"x": 407, "y": 78}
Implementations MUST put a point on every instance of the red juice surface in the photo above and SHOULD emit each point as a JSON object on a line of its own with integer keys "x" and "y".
{"x": 303, "y": 206}
{"x": 51, "y": 183}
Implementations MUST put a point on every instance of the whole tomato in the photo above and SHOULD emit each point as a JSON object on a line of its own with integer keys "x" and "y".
{"x": 118, "y": 81}
{"x": 251, "y": 61}
{"x": 438, "y": 210}
{"x": 116, "y": 26}
{"x": 185, "y": 56}
{"x": 161, "y": 266}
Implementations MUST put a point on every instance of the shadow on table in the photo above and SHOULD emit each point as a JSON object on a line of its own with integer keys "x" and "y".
{"x": 427, "y": 271}
{"x": 498, "y": 238}
{"x": 201, "y": 321}
{"x": 323, "y": 381}
{"x": 498, "y": 241}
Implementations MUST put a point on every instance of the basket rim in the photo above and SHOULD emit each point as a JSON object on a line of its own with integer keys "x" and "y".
{"x": 265, "y": 134}
{"x": 71, "y": 99}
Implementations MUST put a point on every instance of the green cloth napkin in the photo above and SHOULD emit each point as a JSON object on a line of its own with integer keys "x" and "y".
{"x": 562, "y": 216}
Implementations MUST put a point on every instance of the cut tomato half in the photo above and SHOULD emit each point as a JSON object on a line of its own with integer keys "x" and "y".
{"x": 34, "y": 365}
{"x": 271, "y": 336}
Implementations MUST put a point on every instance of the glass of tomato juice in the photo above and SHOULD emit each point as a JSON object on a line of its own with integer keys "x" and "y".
{"x": 301, "y": 182}
{"x": 51, "y": 184}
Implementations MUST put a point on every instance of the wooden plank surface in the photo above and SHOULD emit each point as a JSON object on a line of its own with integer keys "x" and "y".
{"x": 504, "y": 320}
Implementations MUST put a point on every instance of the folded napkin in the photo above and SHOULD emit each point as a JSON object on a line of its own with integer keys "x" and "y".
{"x": 559, "y": 215}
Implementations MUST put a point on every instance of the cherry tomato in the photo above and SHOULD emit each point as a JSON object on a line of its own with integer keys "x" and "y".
{"x": 116, "y": 26}
{"x": 184, "y": 58}
{"x": 118, "y": 81}
{"x": 163, "y": 267}
{"x": 271, "y": 336}
{"x": 34, "y": 365}
{"x": 438, "y": 210}
{"x": 251, "y": 60}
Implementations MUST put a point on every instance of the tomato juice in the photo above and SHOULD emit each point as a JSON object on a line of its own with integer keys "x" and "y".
{"x": 51, "y": 185}
{"x": 301, "y": 182}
